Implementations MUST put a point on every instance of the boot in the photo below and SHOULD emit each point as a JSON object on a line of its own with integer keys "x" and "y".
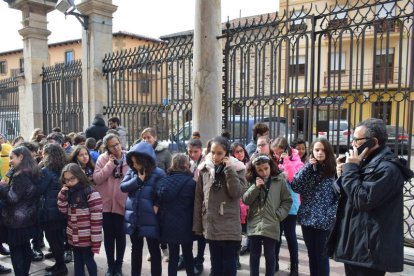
{"x": 294, "y": 271}
{"x": 181, "y": 263}
{"x": 37, "y": 255}
{"x": 238, "y": 264}
{"x": 67, "y": 256}
{"x": 198, "y": 266}
{"x": 58, "y": 271}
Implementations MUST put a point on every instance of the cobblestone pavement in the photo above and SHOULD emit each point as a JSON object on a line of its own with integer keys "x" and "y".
{"x": 37, "y": 268}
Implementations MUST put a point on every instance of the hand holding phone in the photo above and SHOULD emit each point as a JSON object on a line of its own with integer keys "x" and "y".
{"x": 370, "y": 143}
{"x": 259, "y": 182}
{"x": 356, "y": 155}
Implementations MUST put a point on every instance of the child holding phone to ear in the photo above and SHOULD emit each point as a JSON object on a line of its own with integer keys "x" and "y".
{"x": 269, "y": 202}
{"x": 83, "y": 206}
{"x": 141, "y": 209}
{"x": 220, "y": 185}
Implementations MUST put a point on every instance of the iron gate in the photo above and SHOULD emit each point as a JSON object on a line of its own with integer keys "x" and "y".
{"x": 312, "y": 72}
{"x": 62, "y": 97}
{"x": 9, "y": 108}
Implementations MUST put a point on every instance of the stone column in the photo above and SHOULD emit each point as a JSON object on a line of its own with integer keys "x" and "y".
{"x": 207, "y": 55}
{"x": 96, "y": 42}
{"x": 35, "y": 54}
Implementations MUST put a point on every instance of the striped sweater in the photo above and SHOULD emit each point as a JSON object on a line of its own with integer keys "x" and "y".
{"x": 83, "y": 207}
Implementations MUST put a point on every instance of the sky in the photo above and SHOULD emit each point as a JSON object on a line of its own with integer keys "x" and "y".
{"x": 153, "y": 18}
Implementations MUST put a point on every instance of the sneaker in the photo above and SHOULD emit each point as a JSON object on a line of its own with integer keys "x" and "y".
{"x": 244, "y": 250}
{"x": 67, "y": 256}
{"x": 165, "y": 255}
{"x": 3, "y": 250}
{"x": 181, "y": 263}
{"x": 5, "y": 270}
{"x": 37, "y": 255}
{"x": 148, "y": 257}
{"x": 198, "y": 266}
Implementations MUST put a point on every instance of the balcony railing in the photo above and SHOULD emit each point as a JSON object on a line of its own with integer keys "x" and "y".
{"x": 368, "y": 77}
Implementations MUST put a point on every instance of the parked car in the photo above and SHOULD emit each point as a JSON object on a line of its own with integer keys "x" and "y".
{"x": 338, "y": 132}
{"x": 239, "y": 127}
{"x": 397, "y": 141}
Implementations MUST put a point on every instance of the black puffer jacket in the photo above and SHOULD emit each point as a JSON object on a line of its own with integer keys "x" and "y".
{"x": 97, "y": 130}
{"x": 48, "y": 190}
{"x": 368, "y": 231}
{"x": 19, "y": 201}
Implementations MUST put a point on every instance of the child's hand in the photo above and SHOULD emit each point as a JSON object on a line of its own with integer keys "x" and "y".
{"x": 141, "y": 175}
{"x": 155, "y": 208}
{"x": 259, "y": 182}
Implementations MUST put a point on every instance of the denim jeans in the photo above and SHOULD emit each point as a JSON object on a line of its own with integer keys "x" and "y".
{"x": 288, "y": 227}
{"x": 84, "y": 256}
{"x": 137, "y": 243}
{"x": 223, "y": 257}
{"x": 114, "y": 238}
{"x": 21, "y": 257}
{"x": 256, "y": 252}
{"x": 174, "y": 251}
{"x": 315, "y": 240}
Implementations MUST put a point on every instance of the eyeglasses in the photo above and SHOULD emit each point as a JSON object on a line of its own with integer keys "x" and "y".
{"x": 114, "y": 146}
{"x": 354, "y": 139}
{"x": 70, "y": 179}
{"x": 261, "y": 145}
{"x": 238, "y": 151}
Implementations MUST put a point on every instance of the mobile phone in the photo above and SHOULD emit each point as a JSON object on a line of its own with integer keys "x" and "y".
{"x": 343, "y": 159}
{"x": 368, "y": 144}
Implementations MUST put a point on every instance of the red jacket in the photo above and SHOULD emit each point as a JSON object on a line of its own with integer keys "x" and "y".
{"x": 83, "y": 206}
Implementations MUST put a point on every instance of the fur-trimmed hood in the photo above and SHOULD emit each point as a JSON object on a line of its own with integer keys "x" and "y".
{"x": 160, "y": 146}
{"x": 209, "y": 165}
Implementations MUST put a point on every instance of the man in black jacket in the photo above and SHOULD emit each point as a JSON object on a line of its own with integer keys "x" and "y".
{"x": 98, "y": 128}
{"x": 368, "y": 232}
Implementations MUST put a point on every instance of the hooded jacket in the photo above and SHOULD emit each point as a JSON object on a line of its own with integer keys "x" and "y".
{"x": 264, "y": 217}
{"x": 139, "y": 212}
{"x": 216, "y": 208}
{"x": 163, "y": 155}
{"x": 97, "y": 130}
{"x": 368, "y": 230}
{"x": 122, "y": 136}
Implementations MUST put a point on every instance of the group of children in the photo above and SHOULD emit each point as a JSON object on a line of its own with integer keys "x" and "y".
{"x": 207, "y": 195}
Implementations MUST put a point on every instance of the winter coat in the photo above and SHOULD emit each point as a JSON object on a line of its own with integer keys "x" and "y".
{"x": 319, "y": 203}
{"x": 163, "y": 155}
{"x": 48, "y": 190}
{"x": 290, "y": 167}
{"x": 108, "y": 186}
{"x": 83, "y": 207}
{"x": 251, "y": 147}
{"x": 97, "y": 130}
{"x": 264, "y": 217}
{"x": 369, "y": 227}
{"x": 216, "y": 207}
{"x": 122, "y": 136}
{"x": 19, "y": 199}
{"x": 176, "y": 202}
{"x": 139, "y": 212}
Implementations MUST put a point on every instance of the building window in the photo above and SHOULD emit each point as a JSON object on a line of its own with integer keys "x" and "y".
{"x": 338, "y": 63}
{"x": 21, "y": 65}
{"x": 297, "y": 66}
{"x": 143, "y": 86}
{"x": 3, "y": 67}
{"x": 384, "y": 66}
{"x": 69, "y": 56}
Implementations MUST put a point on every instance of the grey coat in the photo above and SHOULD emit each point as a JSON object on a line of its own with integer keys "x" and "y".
{"x": 163, "y": 155}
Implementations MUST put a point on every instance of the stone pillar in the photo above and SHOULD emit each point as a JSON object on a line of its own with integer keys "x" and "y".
{"x": 207, "y": 55}
{"x": 96, "y": 42}
{"x": 35, "y": 54}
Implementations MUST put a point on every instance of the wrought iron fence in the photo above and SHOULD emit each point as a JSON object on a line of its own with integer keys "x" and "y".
{"x": 62, "y": 97}
{"x": 322, "y": 70}
{"x": 9, "y": 108}
{"x": 150, "y": 86}
{"x": 309, "y": 73}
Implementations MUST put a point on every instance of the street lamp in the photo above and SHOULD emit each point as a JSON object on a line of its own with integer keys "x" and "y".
{"x": 68, "y": 7}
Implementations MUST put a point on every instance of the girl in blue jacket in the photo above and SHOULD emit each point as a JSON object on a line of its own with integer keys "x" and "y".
{"x": 141, "y": 206}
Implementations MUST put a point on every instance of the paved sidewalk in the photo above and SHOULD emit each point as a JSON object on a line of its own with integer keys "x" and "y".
{"x": 37, "y": 268}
